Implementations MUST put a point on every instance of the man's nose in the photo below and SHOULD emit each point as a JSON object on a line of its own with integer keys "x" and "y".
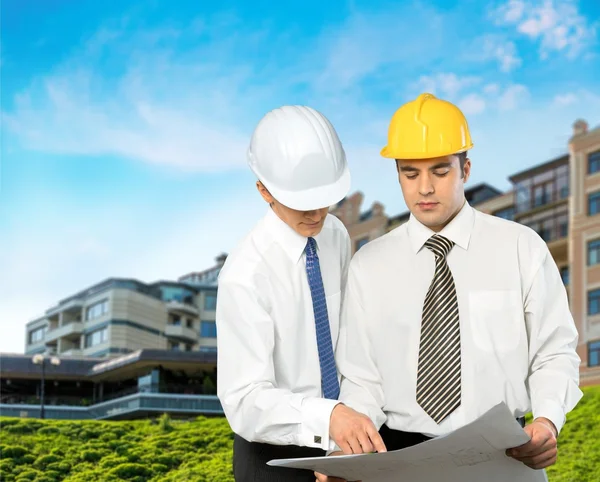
{"x": 425, "y": 185}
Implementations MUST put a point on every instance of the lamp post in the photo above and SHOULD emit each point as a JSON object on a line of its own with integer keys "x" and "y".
{"x": 40, "y": 359}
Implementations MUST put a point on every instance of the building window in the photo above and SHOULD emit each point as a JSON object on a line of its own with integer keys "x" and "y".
{"x": 594, "y": 302}
{"x": 551, "y": 224}
{"x": 96, "y": 337}
{"x": 37, "y": 335}
{"x": 541, "y": 189}
{"x": 96, "y": 310}
{"x": 208, "y": 329}
{"x": 593, "y": 252}
{"x": 594, "y": 353}
{"x": 506, "y": 213}
{"x": 361, "y": 242}
{"x": 210, "y": 301}
{"x": 594, "y": 162}
{"x": 208, "y": 349}
{"x": 594, "y": 203}
{"x": 564, "y": 274}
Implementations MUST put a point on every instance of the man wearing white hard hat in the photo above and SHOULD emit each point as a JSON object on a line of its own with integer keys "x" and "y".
{"x": 279, "y": 299}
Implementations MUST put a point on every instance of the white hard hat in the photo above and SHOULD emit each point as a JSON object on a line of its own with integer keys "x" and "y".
{"x": 296, "y": 153}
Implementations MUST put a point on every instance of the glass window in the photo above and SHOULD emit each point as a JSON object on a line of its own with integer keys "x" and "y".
{"x": 594, "y": 302}
{"x": 563, "y": 225}
{"x": 361, "y": 242}
{"x": 594, "y": 353}
{"x": 208, "y": 329}
{"x": 208, "y": 349}
{"x": 593, "y": 252}
{"x": 96, "y": 310}
{"x": 594, "y": 203}
{"x": 210, "y": 301}
{"x": 96, "y": 337}
{"x": 177, "y": 293}
{"x": 506, "y": 213}
{"x": 523, "y": 193}
{"x": 37, "y": 335}
{"x": 594, "y": 162}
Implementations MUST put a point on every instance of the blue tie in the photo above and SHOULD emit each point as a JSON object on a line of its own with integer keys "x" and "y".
{"x": 329, "y": 380}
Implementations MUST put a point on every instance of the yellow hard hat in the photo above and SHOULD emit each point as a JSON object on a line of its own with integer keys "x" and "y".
{"x": 427, "y": 127}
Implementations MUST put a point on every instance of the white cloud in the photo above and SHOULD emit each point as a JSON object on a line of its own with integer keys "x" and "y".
{"x": 446, "y": 84}
{"x": 565, "y": 99}
{"x": 472, "y": 104}
{"x": 494, "y": 48}
{"x": 557, "y": 24}
{"x": 504, "y": 52}
{"x": 514, "y": 97}
{"x": 491, "y": 89}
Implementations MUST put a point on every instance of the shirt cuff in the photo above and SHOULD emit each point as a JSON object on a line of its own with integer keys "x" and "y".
{"x": 316, "y": 413}
{"x": 552, "y": 411}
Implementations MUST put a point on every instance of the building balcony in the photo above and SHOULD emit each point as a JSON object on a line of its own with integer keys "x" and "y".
{"x": 180, "y": 307}
{"x": 75, "y": 306}
{"x": 181, "y": 332}
{"x": 70, "y": 330}
{"x": 72, "y": 352}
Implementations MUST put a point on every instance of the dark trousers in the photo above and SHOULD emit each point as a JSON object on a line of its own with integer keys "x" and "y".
{"x": 250, "y": 462}
{"x": 398, "y": 440}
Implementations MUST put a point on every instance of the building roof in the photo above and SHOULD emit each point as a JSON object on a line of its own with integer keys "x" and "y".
{"x": 538, "y": 168}
{"x": 94, "y": 369}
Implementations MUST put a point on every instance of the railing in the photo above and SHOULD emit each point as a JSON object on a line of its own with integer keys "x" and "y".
{"x": 122, "y": 407}
{"x": 61, "y": 412}
{"x": 157, "y": 402}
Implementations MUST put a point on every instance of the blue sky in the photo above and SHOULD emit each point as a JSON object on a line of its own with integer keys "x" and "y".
{"x": 125, "y": 124}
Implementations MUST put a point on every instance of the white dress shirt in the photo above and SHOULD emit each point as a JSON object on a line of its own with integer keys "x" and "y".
{"x": 518, "y": 338}
{"x": 269, "y": 377}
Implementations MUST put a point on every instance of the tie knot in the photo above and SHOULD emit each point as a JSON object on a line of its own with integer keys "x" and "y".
{"x": 311, "y": 247}
{"x": 439, "y": 245}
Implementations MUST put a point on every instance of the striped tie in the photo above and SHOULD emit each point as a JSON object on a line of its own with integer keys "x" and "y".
{"x": 438, "y": 379}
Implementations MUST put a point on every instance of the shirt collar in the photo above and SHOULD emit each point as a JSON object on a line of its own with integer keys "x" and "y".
{"x": 292, "y": 243}
{"x": 458, "y": 230}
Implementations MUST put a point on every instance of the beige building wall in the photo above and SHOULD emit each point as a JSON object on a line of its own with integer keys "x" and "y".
{"x": 583, "y": 229}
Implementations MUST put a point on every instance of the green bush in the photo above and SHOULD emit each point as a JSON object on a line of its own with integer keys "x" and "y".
{"x": 45, "y": 460}
{"x": 13, "y": 452}
{"x": 130, "y": 471}
{"x": 174, "y": 450}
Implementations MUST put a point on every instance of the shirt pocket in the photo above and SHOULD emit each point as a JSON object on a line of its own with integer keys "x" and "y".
{"x": 496, "y": 319}
{"x": 333, "y": 314}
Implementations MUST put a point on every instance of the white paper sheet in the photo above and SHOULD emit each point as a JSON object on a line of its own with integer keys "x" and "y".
{"x": 473, "y": 453}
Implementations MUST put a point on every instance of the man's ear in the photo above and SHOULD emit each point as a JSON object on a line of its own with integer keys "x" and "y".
{"x": 264, "y": 192}
{"x": 466, "y": 169}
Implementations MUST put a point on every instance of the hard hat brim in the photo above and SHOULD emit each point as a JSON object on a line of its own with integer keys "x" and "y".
{"x": 389, "y": 154}
{"x": 314, "y": 198}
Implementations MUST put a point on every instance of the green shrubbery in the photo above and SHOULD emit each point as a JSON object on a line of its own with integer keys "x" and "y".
{"x": 200, "y": 450}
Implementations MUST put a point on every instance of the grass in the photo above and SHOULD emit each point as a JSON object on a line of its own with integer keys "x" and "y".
{"x": 201, "y": 450}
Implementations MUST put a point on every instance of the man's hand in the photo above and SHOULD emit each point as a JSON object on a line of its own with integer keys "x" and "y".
{"x": 354, "y": 432}
{"x": 325, "y": 478}
{"x": 540, "y": 452}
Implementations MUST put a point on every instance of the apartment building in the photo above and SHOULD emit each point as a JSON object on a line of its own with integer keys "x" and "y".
{"x": 119, "y": 316}
{"x": 560, "y": 200}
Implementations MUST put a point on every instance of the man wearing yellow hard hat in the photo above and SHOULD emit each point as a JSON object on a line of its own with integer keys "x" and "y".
{"x": 456, "y": 310}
